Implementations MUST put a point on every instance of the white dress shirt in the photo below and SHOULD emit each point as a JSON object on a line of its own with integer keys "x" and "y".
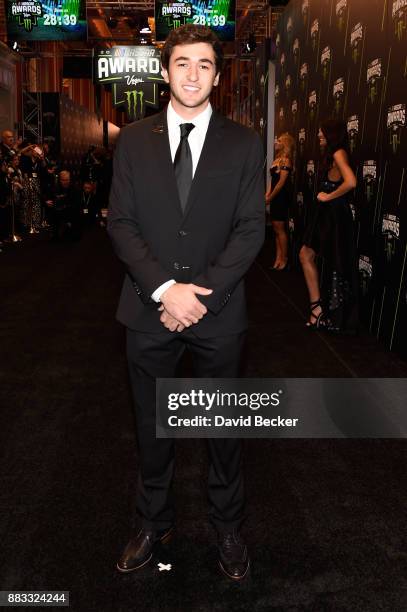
{"x": 196, "y": 140}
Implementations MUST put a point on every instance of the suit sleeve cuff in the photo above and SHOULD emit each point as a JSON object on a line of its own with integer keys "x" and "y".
{"x": 156, "y": 296}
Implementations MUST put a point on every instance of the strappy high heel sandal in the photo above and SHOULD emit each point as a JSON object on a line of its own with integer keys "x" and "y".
{"x": 319, "y": 318}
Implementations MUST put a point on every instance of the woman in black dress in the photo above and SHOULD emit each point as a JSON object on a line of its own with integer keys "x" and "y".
{"x": 278, "y": 196}
{"x": 330, "y": 234}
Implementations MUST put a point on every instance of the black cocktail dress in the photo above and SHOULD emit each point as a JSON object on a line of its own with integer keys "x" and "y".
{"x": 279, "y": 204}
{"x": 330, "y": 233}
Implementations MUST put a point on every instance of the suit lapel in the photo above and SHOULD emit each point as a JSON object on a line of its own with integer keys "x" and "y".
{"x": 162, "y": 153}
{"x": 208, "y": 160}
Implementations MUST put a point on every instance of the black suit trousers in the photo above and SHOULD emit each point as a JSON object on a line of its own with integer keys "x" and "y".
{"x": 152, "y": 356}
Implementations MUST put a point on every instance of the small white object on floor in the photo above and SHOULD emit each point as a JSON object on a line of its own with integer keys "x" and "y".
{"x": 163, "y": 566}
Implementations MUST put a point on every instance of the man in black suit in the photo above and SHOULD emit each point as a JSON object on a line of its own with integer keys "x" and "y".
{"x": 187, "y": 220}
{"x": 62, "y": 201}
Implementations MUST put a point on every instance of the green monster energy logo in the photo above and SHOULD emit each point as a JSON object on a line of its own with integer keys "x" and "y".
{"x": 389, "y": 248}
{"x": 134, "y": 100}
{"x": 325, "y": 62}
{"x": 312, "y": 102}
{"x": 369, "y": 178}
{"x": 26, "y": 13}
{"x": 396, "y": 120}
{"x": 356, "y": 40}
{"x": 341, "y": 8}
{"x": 400, "y": 27}
{"x": 391, "y": 233}
{"x": 374, "y": 74}
{"x": 399, "y": 14}
{"x": 365, "y": 272}
{"x": 27, "y": 23}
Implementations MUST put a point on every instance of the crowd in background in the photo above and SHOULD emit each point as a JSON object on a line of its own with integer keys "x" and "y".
{"x": 38, "y": 194}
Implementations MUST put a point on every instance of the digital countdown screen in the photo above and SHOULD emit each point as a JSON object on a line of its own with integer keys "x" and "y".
{"x": 46, "y": 20}
{"x": 219, "y": 15}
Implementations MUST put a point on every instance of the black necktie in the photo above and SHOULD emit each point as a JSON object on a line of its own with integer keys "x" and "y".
{"x": 183, "y": 164}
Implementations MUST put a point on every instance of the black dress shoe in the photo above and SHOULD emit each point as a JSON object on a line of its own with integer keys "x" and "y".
{"x": 139, "y": 550}
{"x": 233, "y": 556}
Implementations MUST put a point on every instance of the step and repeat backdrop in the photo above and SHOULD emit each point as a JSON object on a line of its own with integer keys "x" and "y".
{"x": 69, "y": 129}
{"x": 344, "y": 59}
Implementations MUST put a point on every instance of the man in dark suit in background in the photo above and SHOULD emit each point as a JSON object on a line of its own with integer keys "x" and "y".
{"x": 187, "y": 220}
{"x": 62, "y": 201}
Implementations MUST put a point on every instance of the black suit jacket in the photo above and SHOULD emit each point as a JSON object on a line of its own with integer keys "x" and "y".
{"x": 212, "y": 244}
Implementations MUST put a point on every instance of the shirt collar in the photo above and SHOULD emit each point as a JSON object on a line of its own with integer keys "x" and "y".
{"x": 200, "y": 122}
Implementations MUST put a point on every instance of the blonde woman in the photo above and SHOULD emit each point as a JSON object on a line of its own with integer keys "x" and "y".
{"x": 278, "y": 196}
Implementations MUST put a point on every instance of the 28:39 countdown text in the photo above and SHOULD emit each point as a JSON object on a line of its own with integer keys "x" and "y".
{"x": 52, "y": 20}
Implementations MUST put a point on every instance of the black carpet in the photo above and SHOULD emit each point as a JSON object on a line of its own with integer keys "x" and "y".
{"x": 327, "y": 518}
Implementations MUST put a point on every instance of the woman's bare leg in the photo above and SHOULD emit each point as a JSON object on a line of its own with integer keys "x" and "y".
{"x": 281, "y": 244}
{"x": 307, "y": 259}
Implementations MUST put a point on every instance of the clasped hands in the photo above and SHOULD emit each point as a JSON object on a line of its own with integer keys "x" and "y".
{"x": 180, "y": 308}
{"x": 323, "y": 197}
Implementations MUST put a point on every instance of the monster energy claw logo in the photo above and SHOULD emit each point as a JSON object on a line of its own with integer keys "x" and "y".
{"x": 391, "y": 233}
{"x": 399, "y": 15}
{"x": 374, "y": 73}
{"x": 325, "y": 61}
{"x": 369, "y": 178}
{"x": 366, "y": 273}
{"x": 314, "y": 32}
{"x": 341, "y": 6}
{"x": 26, "y": 13}
{"x": 312, "y": 99}
{"x": 338, "y": 91}
{"x": 305, "y": 9}
{"x": 310, "y": 172}
{"x": 356, "y": 38}
{"x": 301, "y": 139}
{"x": 353, "y": 130}
{"x": 303, "y": 75}
{"x": 134, "y": 102}
{"x": 396, "y": 120}
{"x": 312, "y": 103}
{"x": 289, "y": 25}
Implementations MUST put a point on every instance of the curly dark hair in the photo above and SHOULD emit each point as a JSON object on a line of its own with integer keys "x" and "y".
{"x": 336, "y": 135}
{"x": 188, "y": 34}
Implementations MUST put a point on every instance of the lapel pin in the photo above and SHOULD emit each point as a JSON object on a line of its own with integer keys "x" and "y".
{"x": 163, "y": 566}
